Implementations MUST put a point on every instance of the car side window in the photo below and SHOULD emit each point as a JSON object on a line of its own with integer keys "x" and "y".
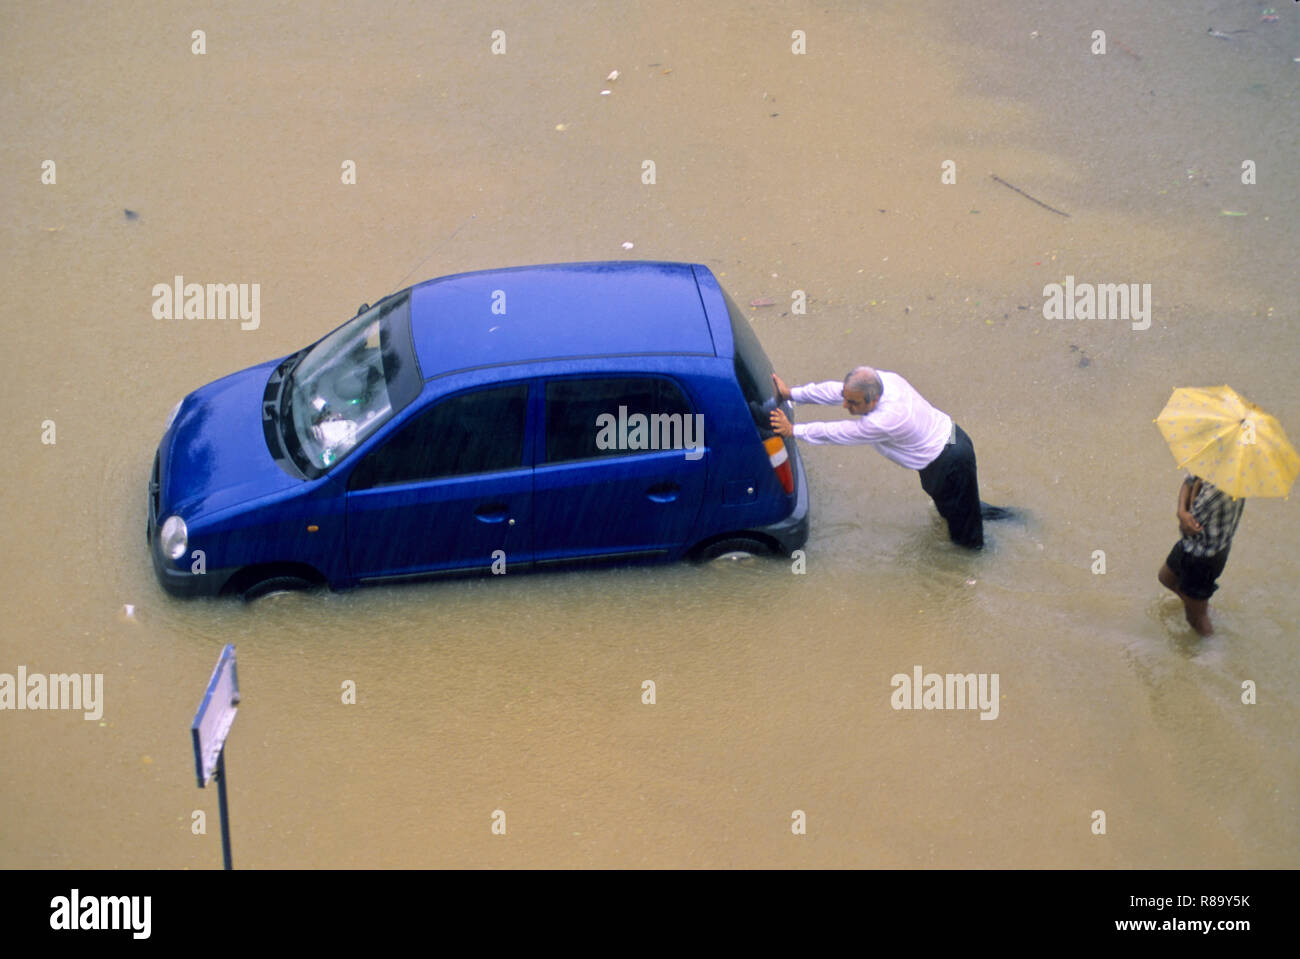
{"x": 480, "y": 432}
{"x": 588, "y": 418}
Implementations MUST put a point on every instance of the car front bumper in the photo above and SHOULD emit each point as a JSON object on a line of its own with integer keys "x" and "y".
{"x": 177, "y": 581}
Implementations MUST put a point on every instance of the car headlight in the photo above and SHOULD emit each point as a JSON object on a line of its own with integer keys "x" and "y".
{"x": 173, "y": 538}
{"x": 171, "y": 417}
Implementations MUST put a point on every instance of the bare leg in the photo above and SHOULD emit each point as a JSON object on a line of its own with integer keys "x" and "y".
{"x": 1197, "y": 611}
{"x": 1198, "y": 615}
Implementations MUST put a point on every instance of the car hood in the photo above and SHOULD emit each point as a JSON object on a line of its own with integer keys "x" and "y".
{"x": 215, "y": 454}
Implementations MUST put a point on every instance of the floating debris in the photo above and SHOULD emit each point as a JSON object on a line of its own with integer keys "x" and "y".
{"x": 1121, "y": 45}
{"x": 131, "y": 214}
{"x": 613, "y": 75}
{"x": 999, "y": 179}
{"x": 627, "y": 245}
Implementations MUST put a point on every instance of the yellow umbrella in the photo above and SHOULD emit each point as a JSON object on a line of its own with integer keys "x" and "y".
{"x": 1220, "y": 437}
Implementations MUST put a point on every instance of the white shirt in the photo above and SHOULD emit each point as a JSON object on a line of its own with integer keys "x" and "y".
{"x": 903, "y": 426}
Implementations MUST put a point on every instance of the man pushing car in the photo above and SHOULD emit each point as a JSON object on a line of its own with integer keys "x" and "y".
{"x": 894, "y": 418}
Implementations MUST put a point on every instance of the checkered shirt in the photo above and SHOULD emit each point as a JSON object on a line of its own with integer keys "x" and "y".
{"x": 1218, "y": 513}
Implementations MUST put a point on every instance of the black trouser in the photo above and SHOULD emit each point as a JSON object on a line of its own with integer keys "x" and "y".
{"x": 950, "y": 481}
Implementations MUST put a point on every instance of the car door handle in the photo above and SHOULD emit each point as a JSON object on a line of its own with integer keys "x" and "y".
{"x": 663, "y": 492}
{"x": 491, "y": 512}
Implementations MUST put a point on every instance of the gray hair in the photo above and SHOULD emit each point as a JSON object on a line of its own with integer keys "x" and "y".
{"x": 865, "y": 380}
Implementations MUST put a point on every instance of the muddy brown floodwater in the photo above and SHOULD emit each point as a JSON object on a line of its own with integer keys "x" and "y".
{"x": 818, "y": 172}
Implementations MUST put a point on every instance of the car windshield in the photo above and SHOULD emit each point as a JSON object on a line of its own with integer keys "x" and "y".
{"x": 348, "y": 385}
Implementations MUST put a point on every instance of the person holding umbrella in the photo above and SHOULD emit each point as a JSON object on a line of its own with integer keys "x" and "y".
{"x": 1232, "y": 450}
{"x": 1207, "y": 518}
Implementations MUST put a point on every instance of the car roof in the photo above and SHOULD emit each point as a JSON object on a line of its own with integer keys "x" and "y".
{"x": 558, "y": 311}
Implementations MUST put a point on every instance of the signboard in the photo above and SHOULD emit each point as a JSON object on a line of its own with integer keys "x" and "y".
{"x": 216, "y": 714}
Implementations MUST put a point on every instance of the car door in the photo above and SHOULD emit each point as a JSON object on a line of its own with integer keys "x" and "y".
{"x": 602, "y": 487}
{"x": 449, "y": 489}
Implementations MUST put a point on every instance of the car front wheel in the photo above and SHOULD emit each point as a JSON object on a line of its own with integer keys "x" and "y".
{"x": 274, "y": 585}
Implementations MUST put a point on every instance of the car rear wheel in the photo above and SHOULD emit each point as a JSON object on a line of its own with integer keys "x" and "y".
{"x": 276, "y": 585}
{"x": 734, "y": 548}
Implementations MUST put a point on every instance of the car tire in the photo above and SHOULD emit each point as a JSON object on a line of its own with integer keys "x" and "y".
{"x": 735, "y": 546}
{"x": 276, "y": 584}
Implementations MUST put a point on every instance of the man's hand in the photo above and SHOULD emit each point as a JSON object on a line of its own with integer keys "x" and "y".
{"x": 782, "y": 391}
{"x": 1187, "y": 523}
{"x": 780, "y": 424}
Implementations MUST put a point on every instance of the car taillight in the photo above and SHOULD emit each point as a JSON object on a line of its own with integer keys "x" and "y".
{"x": 780, "y": 460}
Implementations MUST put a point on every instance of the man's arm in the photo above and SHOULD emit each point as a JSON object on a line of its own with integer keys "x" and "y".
{"x": 842, "y": 432}
{"x": 828, "y": 393}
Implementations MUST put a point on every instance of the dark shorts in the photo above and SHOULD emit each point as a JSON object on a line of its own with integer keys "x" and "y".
{"x": 1196, "y": 575}
{"x": 951, "y": 482}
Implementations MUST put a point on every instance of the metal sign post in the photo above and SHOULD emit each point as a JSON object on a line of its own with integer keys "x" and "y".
{"x": 209, "y": 730}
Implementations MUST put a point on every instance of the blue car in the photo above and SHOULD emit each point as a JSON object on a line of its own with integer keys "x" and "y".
{"x": 501, "y": 420}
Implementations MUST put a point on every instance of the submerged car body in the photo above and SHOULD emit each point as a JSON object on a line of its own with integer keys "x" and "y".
{"x": 505, "y": 419}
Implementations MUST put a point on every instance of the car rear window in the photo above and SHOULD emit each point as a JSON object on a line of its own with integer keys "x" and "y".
{"x": 753, "y": 368}
{"x": 574, "y": 408}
